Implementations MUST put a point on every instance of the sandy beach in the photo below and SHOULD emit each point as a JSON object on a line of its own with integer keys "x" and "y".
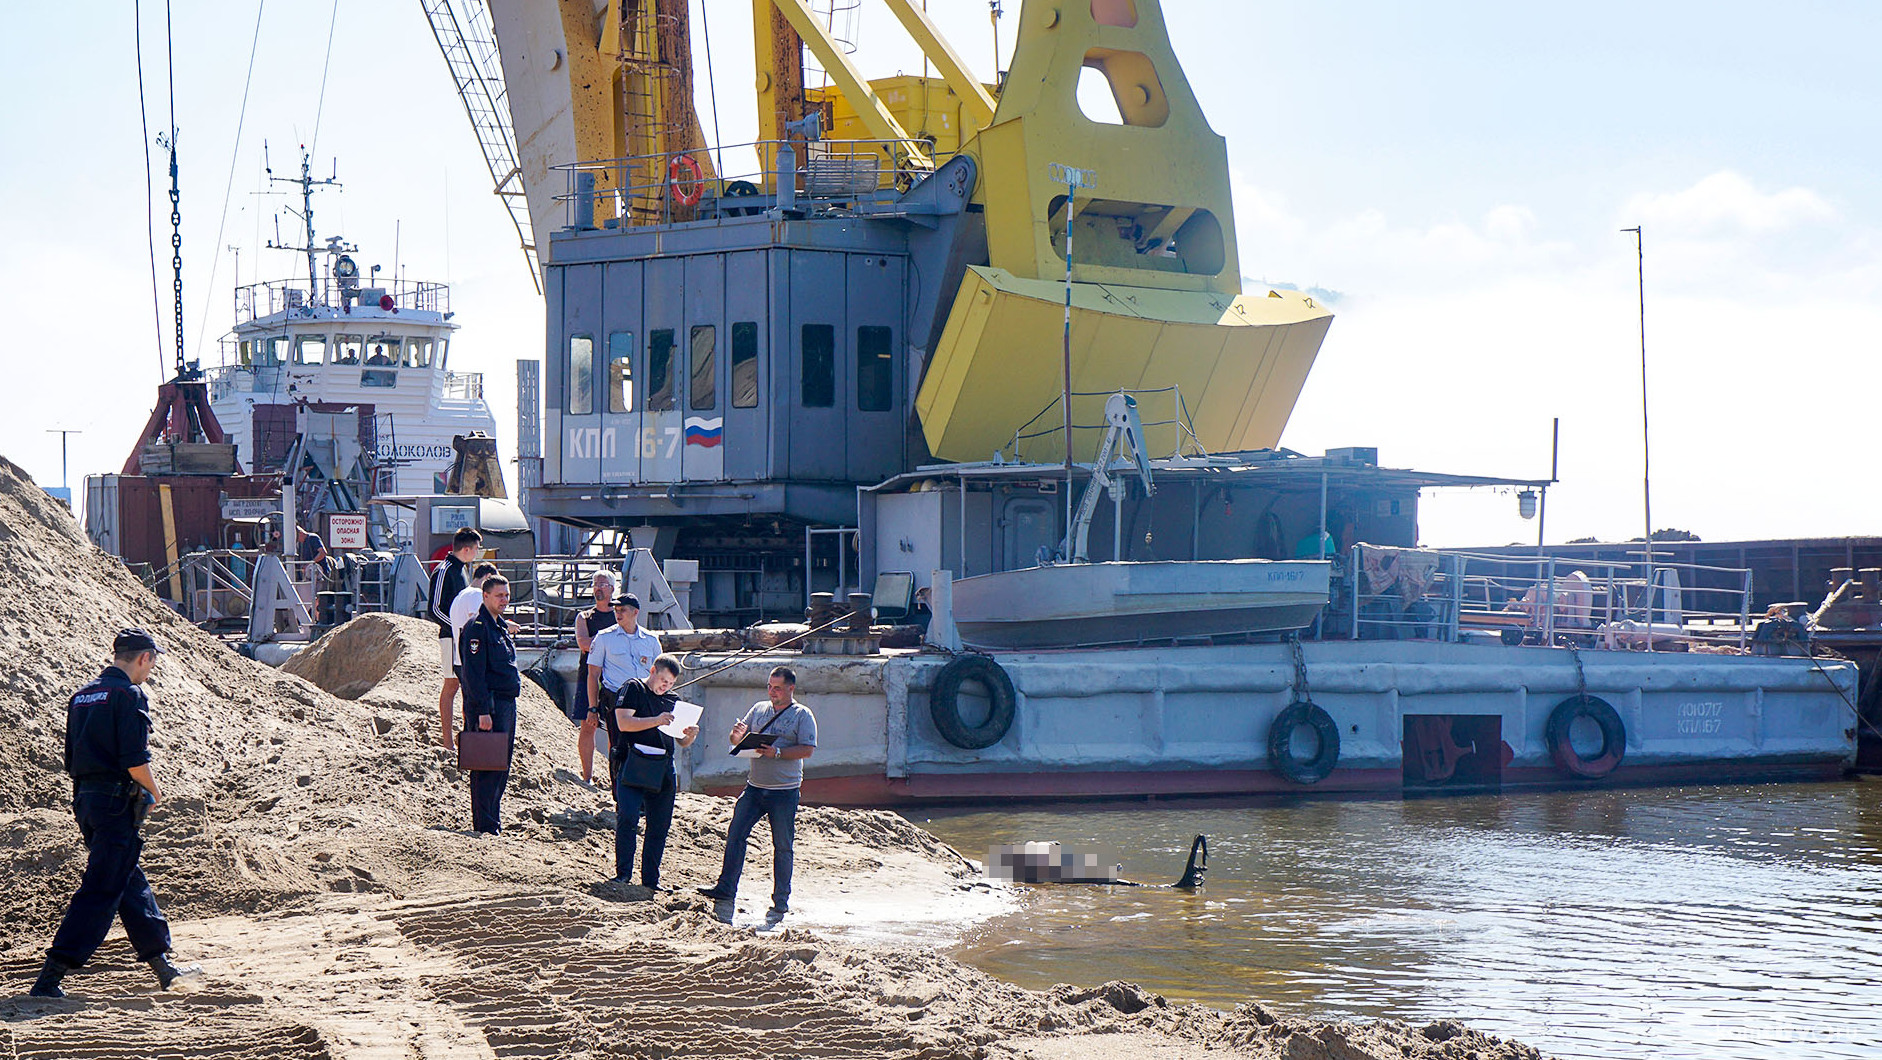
{"x": 313, "y": 853}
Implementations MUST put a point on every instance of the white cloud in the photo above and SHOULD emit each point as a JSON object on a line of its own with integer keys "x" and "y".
{"x": 1725, "y": 204}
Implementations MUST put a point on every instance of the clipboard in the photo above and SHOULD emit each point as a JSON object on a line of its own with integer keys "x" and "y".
{"x": 748, "y": 747}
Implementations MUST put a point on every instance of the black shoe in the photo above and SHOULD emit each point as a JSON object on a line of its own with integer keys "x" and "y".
{"x": 774, "y": 914}
{"x": 168, "y": 973}
{"x": 714, "y": 894}
{"x": 48, "y": 982}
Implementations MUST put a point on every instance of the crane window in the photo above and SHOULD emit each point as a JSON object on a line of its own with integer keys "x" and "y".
{"x": 663, "y": 382}
{"x": 621, "y": 371}
{"x": 705, "y": 394}
{"x": 745, "y": 365}
{"x": 875, "y": 369}
{"x": 581, "y": 378}
{"x": 819, "y": 358}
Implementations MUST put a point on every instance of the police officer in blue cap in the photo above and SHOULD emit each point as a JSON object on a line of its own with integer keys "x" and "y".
{"x": 107, "y": 752}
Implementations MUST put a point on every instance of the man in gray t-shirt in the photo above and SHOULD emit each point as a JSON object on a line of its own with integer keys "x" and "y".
{"x": 772, "y": 792}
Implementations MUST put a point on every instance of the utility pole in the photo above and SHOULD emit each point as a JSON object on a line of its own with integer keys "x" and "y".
{"x": 63, "y": 433}
{"x": 1646, "y": 452}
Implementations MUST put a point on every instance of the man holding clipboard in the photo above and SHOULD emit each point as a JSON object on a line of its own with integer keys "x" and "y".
{"x": 777, "y": 735}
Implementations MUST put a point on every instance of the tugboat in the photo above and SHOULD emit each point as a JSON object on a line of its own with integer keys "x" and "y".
{"x": 315, "y": 356}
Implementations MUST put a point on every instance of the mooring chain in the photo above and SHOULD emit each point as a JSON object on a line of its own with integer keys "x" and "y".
{"x": 176, "y": 248}
{"x": 1581, "y": 676}
{"x": 1300, "y": 671}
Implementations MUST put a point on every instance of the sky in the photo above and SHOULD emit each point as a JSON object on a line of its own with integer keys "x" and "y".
{"x": 1457, "y": 173}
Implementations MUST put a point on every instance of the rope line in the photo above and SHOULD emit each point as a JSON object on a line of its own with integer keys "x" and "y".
{"x": 215, "y": 259}
{"x": 150, "y": 190}
{"x": 333, "y": 21}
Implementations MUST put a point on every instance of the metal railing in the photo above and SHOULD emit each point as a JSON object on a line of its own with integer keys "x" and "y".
{"x": 1392, "y": 594}
{"x": 654, "y": 189}
{"x": 256, "y": 300}
{"x": 464, "y": 386}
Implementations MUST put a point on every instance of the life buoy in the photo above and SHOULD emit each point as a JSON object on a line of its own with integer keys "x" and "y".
{"x": 944, "y": 704}
{"x": 1562, "y": 745}
{"x": 1281, "y": 744}
{"x": 686, "y": 179}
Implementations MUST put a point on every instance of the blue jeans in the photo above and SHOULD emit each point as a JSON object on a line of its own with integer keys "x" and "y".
{"x": 486, "y": 785}
{"x": 628, "y": 804}
{"x": 113, "y": 887}
{"x": 754, "y": 804}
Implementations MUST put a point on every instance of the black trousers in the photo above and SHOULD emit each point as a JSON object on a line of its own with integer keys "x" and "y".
{"x": 487, "y": 785}
{"x": 628, "y": 805}
{"x": 113, "y": 887}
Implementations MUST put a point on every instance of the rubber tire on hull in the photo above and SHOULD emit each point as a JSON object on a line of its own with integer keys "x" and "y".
{"x": 944, "y": 704}
{"x": 1281, "y": 738}
{"x": 1613, "y": 737}
{"x": 552, "y": 684}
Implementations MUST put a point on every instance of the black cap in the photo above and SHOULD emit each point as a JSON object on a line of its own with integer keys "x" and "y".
{"x": 133, "y": 640}
{"x": 627, "y": 600}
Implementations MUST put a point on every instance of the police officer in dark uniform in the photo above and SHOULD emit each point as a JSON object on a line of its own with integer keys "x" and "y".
{"x": 107, "y": 753}
{"x": 491, "y": 682}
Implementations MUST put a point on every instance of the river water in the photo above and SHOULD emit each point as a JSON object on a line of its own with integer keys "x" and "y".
{"x": 1719, "y": 922}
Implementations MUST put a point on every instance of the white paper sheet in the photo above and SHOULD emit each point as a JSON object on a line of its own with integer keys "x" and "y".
{"x": 684, "y": 715}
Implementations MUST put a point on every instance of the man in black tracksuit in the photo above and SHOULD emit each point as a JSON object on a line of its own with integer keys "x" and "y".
{"x": 107, "y": 753}
{"x": 491, "y": 683}
{"x": 446, "y": 582}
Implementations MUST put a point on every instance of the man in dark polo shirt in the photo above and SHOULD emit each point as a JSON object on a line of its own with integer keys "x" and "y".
{"x": 107, "y": 753}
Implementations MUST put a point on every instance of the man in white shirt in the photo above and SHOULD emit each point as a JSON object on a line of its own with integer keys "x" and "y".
{"x": 466, "y": 606}
{"x": 621, "y": 653}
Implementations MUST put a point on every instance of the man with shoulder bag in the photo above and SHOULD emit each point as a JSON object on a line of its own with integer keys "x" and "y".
{"x": 642, "y": 763}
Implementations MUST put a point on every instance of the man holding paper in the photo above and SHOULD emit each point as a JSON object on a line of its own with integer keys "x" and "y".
{"x": 643, "y": 733}
{"x": 778, "y": 735}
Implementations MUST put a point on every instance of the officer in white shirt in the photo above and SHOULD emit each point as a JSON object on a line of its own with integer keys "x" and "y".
{"x": 621, "y": 653}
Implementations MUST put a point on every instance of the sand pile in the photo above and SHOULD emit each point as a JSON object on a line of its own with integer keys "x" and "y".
{"x": 313, "y": 853}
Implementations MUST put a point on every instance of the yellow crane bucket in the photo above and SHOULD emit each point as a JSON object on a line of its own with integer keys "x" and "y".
{"x": 1237, "y": 362}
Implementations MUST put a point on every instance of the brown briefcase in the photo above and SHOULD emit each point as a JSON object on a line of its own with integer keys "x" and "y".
{"x": 479, "y": 750}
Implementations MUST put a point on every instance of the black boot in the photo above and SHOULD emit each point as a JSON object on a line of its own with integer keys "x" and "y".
{"x": 168, "y": 973}
{"x": 49, "y": 977}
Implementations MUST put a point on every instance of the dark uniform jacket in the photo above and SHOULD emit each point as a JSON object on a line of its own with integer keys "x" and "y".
{"x": 446, "y": 582}
{"x": 641, "y": 702}
{"x": 488, "y": 672}
{"x": 107, "y": 729}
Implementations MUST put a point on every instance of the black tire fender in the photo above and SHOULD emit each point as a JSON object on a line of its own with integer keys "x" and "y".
{"x": 1562, "y": 748}
{"x": 1281, "y": 739}
{"x": 945, "y": 708}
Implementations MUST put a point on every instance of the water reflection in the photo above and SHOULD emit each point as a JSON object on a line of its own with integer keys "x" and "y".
{"x": 1701, "y": 922}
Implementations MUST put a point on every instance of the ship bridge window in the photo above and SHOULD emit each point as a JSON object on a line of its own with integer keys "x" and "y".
{"x": 383, "y": 351}
{"x": 379, "y": 377}
{"x": 444, "y": 352}
{"x": 273, "y": 351}
{"x": 663, "y": 382}
{"x": 310, "y": 349}
{"x": 621, "y": 371}
{"x": 874, "y": 369}
{"x": 418, "y": 353}
{"x": 705, "y": 394}
{"x": 819, "y": 359}
{"x": 245, "y": 353}
{"x": 580, "y": 383}
{"x": 347, "y": 349}
{"x": 745, "y": 365}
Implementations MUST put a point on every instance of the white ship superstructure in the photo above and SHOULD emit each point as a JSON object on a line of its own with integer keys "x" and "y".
{"x": 363, "y": 361}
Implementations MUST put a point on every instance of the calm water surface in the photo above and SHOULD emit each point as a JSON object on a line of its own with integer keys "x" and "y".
{"x": 1726, "y": 922}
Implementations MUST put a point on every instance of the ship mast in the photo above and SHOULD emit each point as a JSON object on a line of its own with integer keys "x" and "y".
{"x": 310, "y": 248}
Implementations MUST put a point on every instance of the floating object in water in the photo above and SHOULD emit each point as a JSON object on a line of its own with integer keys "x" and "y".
{"x": 1057, "y": 863}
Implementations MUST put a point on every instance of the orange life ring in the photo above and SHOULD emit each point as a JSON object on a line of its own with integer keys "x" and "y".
{"x": 686, "y": 179}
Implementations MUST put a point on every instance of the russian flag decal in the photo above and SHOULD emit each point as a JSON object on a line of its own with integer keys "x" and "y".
{"x": 703, "y": 432}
